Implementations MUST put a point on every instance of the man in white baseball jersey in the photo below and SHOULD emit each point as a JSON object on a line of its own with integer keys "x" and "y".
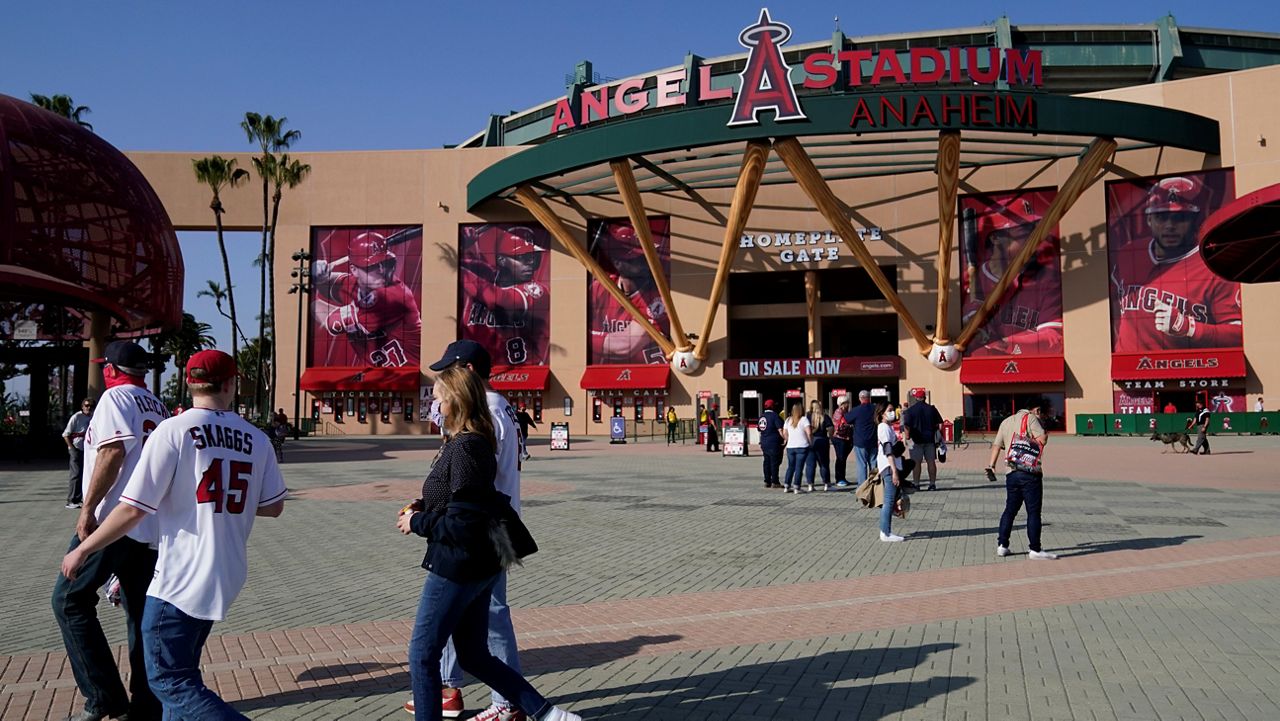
{"x": 125, "y": 415}
{"x": 203, "y": 476}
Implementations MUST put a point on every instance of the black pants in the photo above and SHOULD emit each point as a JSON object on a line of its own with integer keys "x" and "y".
{"x": 75, "y": 481}
{"x": 1022, "y": 488}
{"x": 842, "y": 448}
{"x": 671, "y": 433}
{"x": 772, "y": 464}
{"x": 90, "y": 656}
{"x": 713, "y": 440}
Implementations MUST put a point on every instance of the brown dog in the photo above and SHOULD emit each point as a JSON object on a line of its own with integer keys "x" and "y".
{"x": 1175, "y": 440}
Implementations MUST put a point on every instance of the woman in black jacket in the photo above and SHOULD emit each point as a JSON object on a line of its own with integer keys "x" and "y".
{"x": 458, "y": 514}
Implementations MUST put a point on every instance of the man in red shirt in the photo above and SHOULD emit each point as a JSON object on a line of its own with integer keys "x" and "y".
{"x": 506, "y": 305}
{"x": 1166, "y": 297}
{"x": 375, "y": 311}
{"x": 615, "y": 336}
{"x": 1028, "y": 320}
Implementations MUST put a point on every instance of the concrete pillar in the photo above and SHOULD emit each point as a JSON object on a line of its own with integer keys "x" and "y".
{"x": 99, "y": 326}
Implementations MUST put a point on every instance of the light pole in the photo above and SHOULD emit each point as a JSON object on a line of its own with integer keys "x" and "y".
{"x": 302, "y": 286}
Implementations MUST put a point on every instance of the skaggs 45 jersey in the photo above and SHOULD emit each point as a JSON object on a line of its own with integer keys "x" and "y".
{"x": 204, "y": 474}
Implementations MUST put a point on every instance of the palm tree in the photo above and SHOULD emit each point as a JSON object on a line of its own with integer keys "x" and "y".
{"x": 213, "y": 289}
{"x": 270, "y": 136}
{"x": 192, "y": 336}
{"x": 63, "y": 105}
{"x": 217, "y": 172}
{"x": 288, "y": 173}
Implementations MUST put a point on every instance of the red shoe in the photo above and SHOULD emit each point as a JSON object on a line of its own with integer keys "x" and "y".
{"x": 450, "y": 703}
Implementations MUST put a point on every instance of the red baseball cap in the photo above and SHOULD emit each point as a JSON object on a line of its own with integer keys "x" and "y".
{"x": 918, "y": 393}
{"x": 216, "y": 366}
{"x": 768, "y": 404}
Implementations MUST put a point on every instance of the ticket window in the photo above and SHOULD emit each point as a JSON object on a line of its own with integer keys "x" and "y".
{"x": 639, "y": 408}
{"x": 408, "y": 409}
{"x": 362, "y": 409}
{"x": 617, "y": 407}
{"x": 597, "y": 408}
{"x": 338, "y": 407}
{"x": 659, "y": 408}
{"x": 537, "y": 408}
{"x": 351, "y": 406}
{"x": 385, "y": 408}
{"x": 315, "y": 410}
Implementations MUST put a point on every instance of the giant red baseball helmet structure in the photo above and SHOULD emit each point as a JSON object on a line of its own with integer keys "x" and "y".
{"x": 1241, "y": 241}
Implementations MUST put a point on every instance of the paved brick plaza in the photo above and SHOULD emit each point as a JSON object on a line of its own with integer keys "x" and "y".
{"x": 671, "y": 585}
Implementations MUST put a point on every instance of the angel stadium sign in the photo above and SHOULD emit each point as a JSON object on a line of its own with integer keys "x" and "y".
{"x": 766, "y": 85}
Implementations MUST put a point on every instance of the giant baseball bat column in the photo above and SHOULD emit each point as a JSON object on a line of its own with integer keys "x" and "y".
{"x": 948, "y": 170}
{"x": 1080, "y": 179}
{"x": 810, "y": 180}
{"x": 541, "y": 212}
{"x": 744, "y": 198}
{"x": 626, "y": 181}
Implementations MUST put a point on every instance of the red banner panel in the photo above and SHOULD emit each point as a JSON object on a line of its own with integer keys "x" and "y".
{"x": 1167, "y": 307}
{"x": 1022, "y": 341}
{"x": 504, "y": 291}
{"x": 1207, "y": 363}
{"x": 614, "y": 335}
{"x": 520, "y": 378}
{"x": 367, "y": 291}
{"x": 625, "y": 377}
{"x": 1013, "y": 369}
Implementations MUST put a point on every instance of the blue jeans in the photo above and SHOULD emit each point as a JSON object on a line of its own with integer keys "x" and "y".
{"x": 173, "y": 642}
{"x": 795, "y": 465}
{"x": 842, "y": 448}
{"x": 502, "y": 641}
{"x": 461, "y": 610}
{"x": 92, "y": 660}
{"x": 1020, "y": 488}
{"x": 866, "y": 458}
{"x": 890, "y": 496}
{"x": 820, "y": 456}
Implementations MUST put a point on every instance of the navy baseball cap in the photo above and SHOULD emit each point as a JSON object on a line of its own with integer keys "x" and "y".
{"x": 465, "y": 351}
{"x": 127, "y": 356}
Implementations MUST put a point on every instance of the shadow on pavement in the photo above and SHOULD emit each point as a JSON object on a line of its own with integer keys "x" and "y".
{"x": 336, "y": 682}
{"x": 1128, "y": 544}
{"x": 787, "y": 689}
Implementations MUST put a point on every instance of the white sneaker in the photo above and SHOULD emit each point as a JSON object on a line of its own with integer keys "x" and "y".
{"x": 500, "y": 713}
{"x": 1042, "y": 556}
{"x": 559, "y": 714}
{"x": 811, "y": 488}
{"x": 890, "y": 538}
{"x": 1002, "y": 551}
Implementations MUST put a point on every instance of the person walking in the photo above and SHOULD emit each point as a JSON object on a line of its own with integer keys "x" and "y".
{"x": 1202, "y": 430}
{"x": 889, "y": 466}
{"x": 842, "y": 439}
{"x": 1022, "y": 439}
{"x": 922, "y": 422}
{"x": 73, "y": 435}
{"x": 796, "y": 434}
{"x": 821, "y": 427}
{"x": 863, "y": 419}
{"x": 673, "y": 424}
{"x": 123, "y": 418}
{"x": 203, "y": 477}
{"x": 463, "y": 562}
{"x": 771, "y": 440}
{"x": 525, "y": 420}
{"x": 713, "y": 432}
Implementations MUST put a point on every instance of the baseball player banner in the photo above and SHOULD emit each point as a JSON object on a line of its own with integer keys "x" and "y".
{"x": 615, "y": 337}
{"x": 367, "y": 291}
{"x": 1027, "y": 321}
{"x": 1171, "y": 317}
{"x": 504, "y": 291}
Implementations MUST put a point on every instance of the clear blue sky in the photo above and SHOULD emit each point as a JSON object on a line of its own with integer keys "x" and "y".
{"x": 163, "y": 75}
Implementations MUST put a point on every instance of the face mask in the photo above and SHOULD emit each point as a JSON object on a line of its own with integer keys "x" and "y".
{"x": 112, "y": 378}
{"x": 890, "y": 415}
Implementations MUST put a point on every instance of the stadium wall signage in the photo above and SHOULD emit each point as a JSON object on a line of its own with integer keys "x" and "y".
{"x": 804, "y": 246}
{"x": 766, "y": 85}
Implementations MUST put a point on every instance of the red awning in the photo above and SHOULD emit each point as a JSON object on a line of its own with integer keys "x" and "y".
{"x": 361, "y": 379}
{"x": 1178, "y": 364}
{"x": 624, "y": 377}
{"x": 520, "y": 378}
{"x": 1013, "y": 369}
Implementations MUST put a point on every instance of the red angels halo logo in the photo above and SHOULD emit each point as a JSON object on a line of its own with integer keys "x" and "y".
{"x": 766, "y": 78}
{"x": 624, "y": 375}
{"x": 1011, "y": 367}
